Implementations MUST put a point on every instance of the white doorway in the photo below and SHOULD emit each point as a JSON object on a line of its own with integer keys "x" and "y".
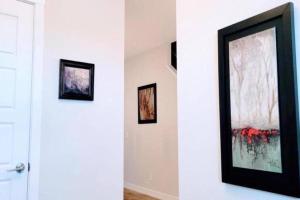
{"x": 16, "y": 61}
{"x": 151, "y": 141}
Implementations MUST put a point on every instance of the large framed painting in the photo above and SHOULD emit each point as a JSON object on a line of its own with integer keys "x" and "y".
{"x": 258, "y": 103}
{"x": 147, "y": 108}
{"x": 76, "y": 80}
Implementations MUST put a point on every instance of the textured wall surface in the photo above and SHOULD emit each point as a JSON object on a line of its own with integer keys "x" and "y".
{"x": 151, "y": 153}
{"x": 82, "y": 142}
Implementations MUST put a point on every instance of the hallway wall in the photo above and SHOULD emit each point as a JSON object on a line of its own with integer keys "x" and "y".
{"x": 198, "y": 112}
{"x": 151, "y": 159}
{"x": 82, "y": 142}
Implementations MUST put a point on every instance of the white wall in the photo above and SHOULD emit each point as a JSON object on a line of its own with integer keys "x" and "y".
{"x": 151, "y": 159}
{"x": 148, "y": 24}
{"x": 199, "y": 140}
{"x": 82, "y": 142}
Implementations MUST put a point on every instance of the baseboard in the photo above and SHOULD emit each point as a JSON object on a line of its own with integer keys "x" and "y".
{"x": 155, "y": 194}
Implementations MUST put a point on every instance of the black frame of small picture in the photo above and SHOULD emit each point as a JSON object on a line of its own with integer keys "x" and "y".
{"x": 74, "y": 64}
{"x": 287, "y": 182}
{"x": 140, "y": 121}
{"x": 174, "y": 54}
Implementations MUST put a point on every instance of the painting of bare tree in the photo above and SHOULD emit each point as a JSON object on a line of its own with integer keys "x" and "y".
{"x": 147, "y": 103}
{"x": 76, "y": 80}
{"x": 254, "y": 102}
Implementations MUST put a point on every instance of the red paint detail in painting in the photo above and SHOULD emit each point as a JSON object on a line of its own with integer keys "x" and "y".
{"x": 250, "y": 133}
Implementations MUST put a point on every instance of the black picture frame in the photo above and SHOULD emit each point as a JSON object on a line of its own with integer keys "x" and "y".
{"x": 65, "y": 93}
{"x": 174, "y": 54}
{"x": 287, "y": 182}
{"x": 147, "y": 121}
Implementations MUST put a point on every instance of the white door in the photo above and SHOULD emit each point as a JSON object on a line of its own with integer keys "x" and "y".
{"x": 16, "y": 38}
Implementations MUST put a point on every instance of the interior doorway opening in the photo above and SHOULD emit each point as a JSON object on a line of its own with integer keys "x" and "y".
{"x": 151, "y": 133}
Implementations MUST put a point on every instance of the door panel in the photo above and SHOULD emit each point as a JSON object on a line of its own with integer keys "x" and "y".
{"x": 7, "y": 45}
{"x": 7, "y": 87}
{"x": 5, "y": 187}
{"x": 16, "y": 36}
{"x": 6, "y": 141}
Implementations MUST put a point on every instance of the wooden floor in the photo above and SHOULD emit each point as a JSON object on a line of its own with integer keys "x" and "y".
{"x": 131, "y": 195}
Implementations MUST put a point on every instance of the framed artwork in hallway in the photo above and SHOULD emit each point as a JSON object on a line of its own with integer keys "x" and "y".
{"x": 258, "y": 103}
{"x": 76, "y": 80}
{"x": 147, "y": 105}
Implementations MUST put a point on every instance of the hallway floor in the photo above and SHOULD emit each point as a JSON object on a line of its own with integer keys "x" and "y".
{"x": 131, "y": 195}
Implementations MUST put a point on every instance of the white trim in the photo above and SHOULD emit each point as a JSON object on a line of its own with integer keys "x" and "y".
{"x": 34, "y": 2}
{"x": 172, "y": 70}
{"x": 36, "y": 99}
{"x": 155, "y": 194}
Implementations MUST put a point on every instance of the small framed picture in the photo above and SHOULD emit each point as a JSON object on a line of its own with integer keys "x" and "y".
{"x": 258, "y": 103}
{"x": 147, "y": 108}
{"x": 76, "y": 80}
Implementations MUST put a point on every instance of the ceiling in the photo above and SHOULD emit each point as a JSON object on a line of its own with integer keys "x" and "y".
{"x": 148, "y": 24}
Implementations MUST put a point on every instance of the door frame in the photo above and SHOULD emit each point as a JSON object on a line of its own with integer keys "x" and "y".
{"x": 36, "y": 98}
